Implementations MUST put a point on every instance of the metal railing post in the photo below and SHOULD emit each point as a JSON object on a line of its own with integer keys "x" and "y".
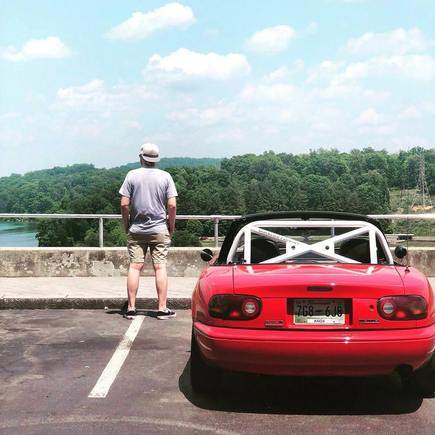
{"x": 101, "y": 232}
{"x": 216, "y": 232}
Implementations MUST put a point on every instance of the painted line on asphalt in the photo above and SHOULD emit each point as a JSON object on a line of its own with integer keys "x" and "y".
{"x": 113, "y": 367}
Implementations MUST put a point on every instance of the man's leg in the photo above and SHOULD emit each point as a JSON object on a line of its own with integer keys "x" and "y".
{"x": 133, "y": 284}
{"x": 161, "y": 284}
{"x": 159, "y": 252}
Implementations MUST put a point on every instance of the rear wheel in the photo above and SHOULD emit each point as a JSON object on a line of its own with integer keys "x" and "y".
{"x": 204, "y": 378}
{"x": 423, "y": 379}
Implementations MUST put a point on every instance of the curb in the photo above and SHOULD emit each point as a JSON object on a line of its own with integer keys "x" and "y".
{"x": 87, "y": 304}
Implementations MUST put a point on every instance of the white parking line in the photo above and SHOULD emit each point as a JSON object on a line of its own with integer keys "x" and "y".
{"x": 113, "y": 367}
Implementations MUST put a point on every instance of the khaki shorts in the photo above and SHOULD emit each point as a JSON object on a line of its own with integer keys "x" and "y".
{"x": 137, "y": 245}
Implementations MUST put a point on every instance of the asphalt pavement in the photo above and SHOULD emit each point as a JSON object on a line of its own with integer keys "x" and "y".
{"x": 50, "y": 361}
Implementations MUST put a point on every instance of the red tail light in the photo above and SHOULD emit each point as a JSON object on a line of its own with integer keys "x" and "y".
{"x": 402, "y": 307}
{"x": 234, "y": 307}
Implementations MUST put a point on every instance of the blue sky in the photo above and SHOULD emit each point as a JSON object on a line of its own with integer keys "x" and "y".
{"x": 89, "y": 81}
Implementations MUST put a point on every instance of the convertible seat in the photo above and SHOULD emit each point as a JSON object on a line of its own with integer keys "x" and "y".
{"x": 262, "y": 250}
{"x": 356, "y": 249}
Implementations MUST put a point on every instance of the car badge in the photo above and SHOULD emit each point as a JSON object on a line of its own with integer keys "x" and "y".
{"x": 274, "y": 323}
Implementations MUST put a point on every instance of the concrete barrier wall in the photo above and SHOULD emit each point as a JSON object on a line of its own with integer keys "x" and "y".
{"x": 49, "y": 262}
{"x": 423, "y": 259}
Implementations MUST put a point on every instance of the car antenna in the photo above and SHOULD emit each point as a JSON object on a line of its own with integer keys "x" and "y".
{"x": 408, "y": 229}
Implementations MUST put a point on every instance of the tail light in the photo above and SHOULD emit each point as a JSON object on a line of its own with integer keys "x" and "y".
{"x": 402, "y": 307}
{"x": 234, "y": 307}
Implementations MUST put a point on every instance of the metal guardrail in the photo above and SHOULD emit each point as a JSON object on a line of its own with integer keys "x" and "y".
{"x": 216, "y": 218}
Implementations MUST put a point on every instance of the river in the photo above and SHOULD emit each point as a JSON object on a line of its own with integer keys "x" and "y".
{"x": 16, "y": 234}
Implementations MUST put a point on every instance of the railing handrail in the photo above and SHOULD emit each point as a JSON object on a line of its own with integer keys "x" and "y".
{"x": 185, "y": 216}
{"x": 109, "y": 216}
{"x": 213, "y": 217}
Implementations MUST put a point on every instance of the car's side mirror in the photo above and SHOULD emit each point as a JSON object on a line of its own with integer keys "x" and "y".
{"x": 206, "y": 254}
{"x": 400, "y": 251}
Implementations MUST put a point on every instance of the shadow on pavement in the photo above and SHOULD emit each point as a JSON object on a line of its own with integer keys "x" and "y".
{"x": 123, "y": 310}
{"x": 247, "y": 393}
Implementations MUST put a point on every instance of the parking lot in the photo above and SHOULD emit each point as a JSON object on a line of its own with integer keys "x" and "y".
{"x": 51, "y": 360}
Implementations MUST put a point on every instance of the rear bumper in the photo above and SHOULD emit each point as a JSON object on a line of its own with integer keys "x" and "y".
{"x": 315, "y": 353}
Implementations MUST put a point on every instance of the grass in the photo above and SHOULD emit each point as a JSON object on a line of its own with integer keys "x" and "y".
{"x": 401, "y": 202}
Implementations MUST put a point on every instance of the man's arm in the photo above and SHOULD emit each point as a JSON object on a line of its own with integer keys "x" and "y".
{"x": 172, "y": 214}
{"x": 125, "y": 212}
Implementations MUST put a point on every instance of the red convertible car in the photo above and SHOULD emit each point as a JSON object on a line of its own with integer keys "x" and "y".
{"x": 311, "y": 294}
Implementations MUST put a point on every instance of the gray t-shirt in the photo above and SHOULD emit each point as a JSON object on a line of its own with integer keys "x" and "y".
{"x": 149, "y": 190}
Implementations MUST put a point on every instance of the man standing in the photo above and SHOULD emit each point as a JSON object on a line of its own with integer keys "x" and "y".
{"x": 148, "y": 208}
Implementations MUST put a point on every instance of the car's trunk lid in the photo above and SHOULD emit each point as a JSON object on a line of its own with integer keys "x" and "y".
{"x": 325, "y": 296}
{"x": 314, "y": 280}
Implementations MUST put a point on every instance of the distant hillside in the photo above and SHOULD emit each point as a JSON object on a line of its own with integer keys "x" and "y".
{"x": 358, "y": 181}
{"x": 80, "y": 187}
{"x": 177, "y": 162}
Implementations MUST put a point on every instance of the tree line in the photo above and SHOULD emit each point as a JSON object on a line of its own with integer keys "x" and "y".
{"x": 358, "y": 181}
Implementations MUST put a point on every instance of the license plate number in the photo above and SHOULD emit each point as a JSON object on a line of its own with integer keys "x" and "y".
{"x": 319, "y": 311}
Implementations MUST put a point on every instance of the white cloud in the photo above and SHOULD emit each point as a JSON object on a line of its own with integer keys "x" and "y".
{"x": 284, "y": 73}
{"x": 325, "y": 71}
{"x": 219, "y": 114}
{"x": 399, "y": 41}
{"x": 368, "y": 117}
{"x": 402, "y": 58}
{"x": 95, "y": 97}
{"x": 373, "y": 123}
{"x": 278, "y": 74}
{"x": 270, "y": 40}
{"x": 184, "y": 63}
{"x": 91, "y": 95}
{"x": 409, "y": 113}
{"x": 429, "y": 107}
{"x": 415, "y": 67}
{"x": 341, "y": 73}
{"x": 48, "y": 48}
{"x": 268, "y": 92}
{"x": 142, "y": 24}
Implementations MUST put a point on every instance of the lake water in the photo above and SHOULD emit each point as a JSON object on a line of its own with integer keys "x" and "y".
{"x": 16, "y": 234}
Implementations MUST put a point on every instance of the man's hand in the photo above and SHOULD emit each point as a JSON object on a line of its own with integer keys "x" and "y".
{"x": 125, "y": 212}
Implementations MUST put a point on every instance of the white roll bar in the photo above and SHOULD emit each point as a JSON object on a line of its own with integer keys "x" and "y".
{"x": 294, "y": 248}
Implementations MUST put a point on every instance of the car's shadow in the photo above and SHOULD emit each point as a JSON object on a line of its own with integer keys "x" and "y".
{"x": 304, "y": 396}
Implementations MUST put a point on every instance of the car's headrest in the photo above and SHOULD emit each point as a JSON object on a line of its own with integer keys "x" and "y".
{"x": 356, "y": 249}
{"x": 262, "y": 250}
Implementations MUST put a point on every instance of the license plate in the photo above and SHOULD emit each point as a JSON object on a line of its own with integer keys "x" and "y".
{"x": 319, "y": 311}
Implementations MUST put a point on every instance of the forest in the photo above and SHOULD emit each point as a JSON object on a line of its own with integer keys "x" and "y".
{"x": 359, "y": 181}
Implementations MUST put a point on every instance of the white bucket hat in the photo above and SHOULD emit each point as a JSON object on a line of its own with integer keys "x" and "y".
{"x": 150, "y": 152}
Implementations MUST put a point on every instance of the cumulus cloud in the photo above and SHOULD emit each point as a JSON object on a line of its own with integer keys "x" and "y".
{"x": 96, "y": 97}
{"x": 409, "y": 113}
{"x": 399, "y": 41}
{"x": 219, "y": 114}
{"x": 184, "y": 63}
{"x": 399, "y": 54}
{"x": 268, "y": 92}
{"x": 419, "y": 67}
{"x": 270, "y": 40}
{"x": 324, "y": 71}
{"x": 142, "y": 24}
{"x": 368, "y": 117}
{"x": 411, "y": 66}
{"x": 48, "y": 48}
